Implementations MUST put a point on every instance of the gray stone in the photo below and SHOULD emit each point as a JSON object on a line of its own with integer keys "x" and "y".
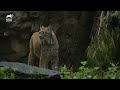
{"x": 24, "y": 71}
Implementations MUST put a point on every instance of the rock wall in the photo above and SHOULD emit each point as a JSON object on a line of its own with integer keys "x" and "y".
{"x": 71, "y": 27}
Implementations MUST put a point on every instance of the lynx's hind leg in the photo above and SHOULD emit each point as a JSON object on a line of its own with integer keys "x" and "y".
{"x": 31, "y": 56}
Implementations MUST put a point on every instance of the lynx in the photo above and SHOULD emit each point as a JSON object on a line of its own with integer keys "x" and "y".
{"x": 44, "y": 45}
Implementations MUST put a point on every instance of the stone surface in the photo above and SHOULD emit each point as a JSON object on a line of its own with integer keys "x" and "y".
{"x": 28, "y": 71}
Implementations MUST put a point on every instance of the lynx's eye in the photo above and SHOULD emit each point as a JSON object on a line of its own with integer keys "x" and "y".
{"x": 43, "y": 32}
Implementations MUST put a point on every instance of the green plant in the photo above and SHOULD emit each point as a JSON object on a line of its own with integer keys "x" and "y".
{"x": 113, "y": 20}
{"x": 6, "y": 74}
{"x": 111, "y": 72}
{"x": 67, "y": 74}
{"x": 101, "y": 51}
{"x": 3, "y": 72}
{"x": 84, "y": 72}
{"x": 104, "y": 47}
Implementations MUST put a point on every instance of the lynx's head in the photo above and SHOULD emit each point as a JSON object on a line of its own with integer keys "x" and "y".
{"x": 47, "y": 36}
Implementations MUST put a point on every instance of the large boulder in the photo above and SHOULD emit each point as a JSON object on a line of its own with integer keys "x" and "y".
{"x": 24, "y": 71}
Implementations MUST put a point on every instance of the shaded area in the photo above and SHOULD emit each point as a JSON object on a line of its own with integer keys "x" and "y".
{"x": 72, "y": 29}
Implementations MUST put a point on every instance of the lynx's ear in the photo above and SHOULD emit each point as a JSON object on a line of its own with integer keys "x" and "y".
{"x": 42, "y": 27}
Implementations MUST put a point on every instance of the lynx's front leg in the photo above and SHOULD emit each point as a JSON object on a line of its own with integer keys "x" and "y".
{"x": 44, "y": 59}
{"x": 43, "y": 64}
{"x": 54, "y": 63}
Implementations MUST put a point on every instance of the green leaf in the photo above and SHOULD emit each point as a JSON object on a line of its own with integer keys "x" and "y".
{"x": 84, "y": 63}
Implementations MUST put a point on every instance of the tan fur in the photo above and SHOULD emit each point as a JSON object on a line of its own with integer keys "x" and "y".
{"x": 44, "y": 45}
